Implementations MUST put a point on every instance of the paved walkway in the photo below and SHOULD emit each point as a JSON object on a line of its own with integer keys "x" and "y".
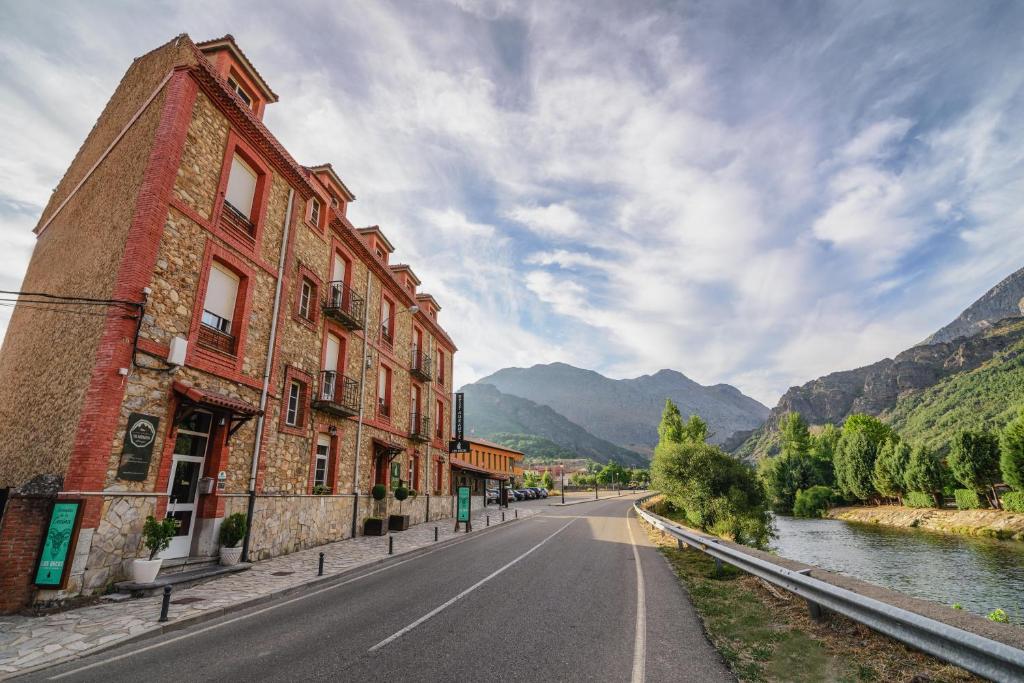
{"x": 27, "y": 643}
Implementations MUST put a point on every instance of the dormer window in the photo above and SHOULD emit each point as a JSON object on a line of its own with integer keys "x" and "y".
{"x": 240, "y": 91}
{"x": 314, "y": 212}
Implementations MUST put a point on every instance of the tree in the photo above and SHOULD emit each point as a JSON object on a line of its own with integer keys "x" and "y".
{"x": 670, "y": 429}
{"x": 924, "y": 473}
{"x": 1011, "y": 446}
{"x": 695, "y": 430}
{"x": 974, "y": 461}
{"x": 611, "y": 473}
{"x": 796, "y": 437}
{"x": 529, "y": 479}
{"x": 785, "y": 474}
{"x": 890, "y": 465}
{"x": 854, "y": 456}
{"x": 823, "y": 449}
{"x": 546, "y": 481}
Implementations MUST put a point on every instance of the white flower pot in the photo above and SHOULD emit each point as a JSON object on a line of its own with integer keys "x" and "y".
{"x": 145, "y": 571}
{"x": 230, "y": 556}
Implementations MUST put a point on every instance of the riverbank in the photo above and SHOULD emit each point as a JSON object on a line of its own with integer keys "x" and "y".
{"x": 989, "y": 523}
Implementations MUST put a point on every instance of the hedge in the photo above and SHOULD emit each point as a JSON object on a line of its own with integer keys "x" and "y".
{"x": 966, "y": 499}
{"x": 1013, "y": 501}
{"x": 813, "y": 502}
{"x": 917, "y": 499}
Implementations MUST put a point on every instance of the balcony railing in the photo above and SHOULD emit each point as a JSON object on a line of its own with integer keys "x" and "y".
{"x": 383, "y": 408}
{"x": 337, "y": 394}
{"x": 420, "y": 365}
{"x": 237, "y": 220}
{"x": 385, "y": 336}
{"x": 344, "y": 305}
{"x": 216, "y": 340}
{"x": 419, "y": 427}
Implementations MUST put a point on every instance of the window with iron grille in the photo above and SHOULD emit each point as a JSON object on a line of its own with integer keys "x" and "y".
{"x": 291, "y": 417}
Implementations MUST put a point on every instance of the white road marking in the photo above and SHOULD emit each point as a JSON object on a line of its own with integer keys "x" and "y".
{"x": 249, "y": 615}
{"x": 640, "y": 640}
{"x": 440, "y": 608}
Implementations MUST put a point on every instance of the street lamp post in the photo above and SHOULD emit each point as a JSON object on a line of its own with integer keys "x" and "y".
{"x": 561, "y": 474}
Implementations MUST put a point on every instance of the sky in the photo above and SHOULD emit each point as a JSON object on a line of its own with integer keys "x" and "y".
{"x": 755, "y": 193}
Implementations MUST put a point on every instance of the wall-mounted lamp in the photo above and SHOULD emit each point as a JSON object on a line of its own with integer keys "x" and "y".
{"x": 332, "y": 430}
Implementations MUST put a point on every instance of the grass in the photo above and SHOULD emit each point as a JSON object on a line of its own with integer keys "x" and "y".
{"x": 765, "y": 635}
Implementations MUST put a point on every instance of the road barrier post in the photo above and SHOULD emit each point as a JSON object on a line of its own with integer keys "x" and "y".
{"x": 391, "y": 545}
{"x": 320, "y": 571}
{"x": 165, "y": 605}
{"x": 435, "y": 534}
{"x": 814, "y": 609}
{"x": 503, "y": 516}
{"x": 517, "y": 513}
{"x": 488, "y": 520}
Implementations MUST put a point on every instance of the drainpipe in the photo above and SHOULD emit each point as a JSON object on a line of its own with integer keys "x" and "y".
{"x": 362, "y": 400}
{"x": 267, "y": 369}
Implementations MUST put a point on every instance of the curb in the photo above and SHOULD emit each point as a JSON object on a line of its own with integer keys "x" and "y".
{"x": 318, "y": 581}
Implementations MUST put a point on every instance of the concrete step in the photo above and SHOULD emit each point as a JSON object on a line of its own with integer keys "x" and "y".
{"x": 178, "y": 579}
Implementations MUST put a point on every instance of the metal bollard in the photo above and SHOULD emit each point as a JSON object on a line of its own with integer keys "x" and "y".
{"x": 488, "y": 522}
{"x": 166, "y": 604}
{"x": 435, "y": 534}
{"x": 391, "y": 545}
{"x": 321, "y": 570}
{"x": 517, "y": 513}
{"x": 503, "y": 516}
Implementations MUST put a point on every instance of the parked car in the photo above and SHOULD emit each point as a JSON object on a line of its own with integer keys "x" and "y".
{"x": 543, "y": 492}
{"x": 517, "y": 494}
{"x": 492, "y": 495}
{"x": 530, "y": 493}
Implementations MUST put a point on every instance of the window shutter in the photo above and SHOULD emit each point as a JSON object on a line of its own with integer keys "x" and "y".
{"x": 221, "y": 291}
{"x": 382, "y": 382}
{"x": 241, "y": 186}
{"x": 324, "y": 441}
{"x": 338, "y": 269}
{"x": 333, "y": 351}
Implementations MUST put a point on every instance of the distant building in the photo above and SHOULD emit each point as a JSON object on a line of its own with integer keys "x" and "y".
{"x": 260, "y": 343}
{"x": 486, "y": 464}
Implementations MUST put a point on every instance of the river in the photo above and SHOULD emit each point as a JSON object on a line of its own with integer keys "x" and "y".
{"x": 981, "y": 574}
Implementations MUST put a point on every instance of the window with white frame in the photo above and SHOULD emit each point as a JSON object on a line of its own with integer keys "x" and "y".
{"x": 221, "y": 293}
{"x": 241, "y": 187}
{"x": 305, "y": 299}
{"x": 314, "y": 212}
{"x": 240, "y": 91}
{"x": 323, "y": 458}
{"x": 291, "y": 415}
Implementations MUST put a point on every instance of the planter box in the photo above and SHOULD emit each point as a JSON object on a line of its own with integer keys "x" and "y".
{"x": 398, "y": 522}
{"x": 145, "y": 571}
{"x": 230, "y": 556}
{"x": 374, "y": 527}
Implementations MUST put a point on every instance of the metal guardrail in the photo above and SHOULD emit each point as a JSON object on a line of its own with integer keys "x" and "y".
{"x": 982, "y": 656}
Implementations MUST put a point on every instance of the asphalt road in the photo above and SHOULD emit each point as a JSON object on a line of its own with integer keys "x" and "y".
{"x": 550, "y": 598}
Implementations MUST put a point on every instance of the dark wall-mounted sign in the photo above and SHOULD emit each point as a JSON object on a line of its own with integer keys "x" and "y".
{"x": 58, "y": 548}
{"x": 138, "y": 447}
{"x": 458, "y": 446}
{"x": 459, "y": 415}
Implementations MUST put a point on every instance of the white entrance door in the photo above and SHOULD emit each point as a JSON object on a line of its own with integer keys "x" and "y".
{"x": 190, "y": 449}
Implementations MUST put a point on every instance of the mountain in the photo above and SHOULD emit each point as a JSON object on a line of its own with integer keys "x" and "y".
{"x": 954, "y": 378}
{"x": 1005, "y": 300}
{"x": 627, "y": 411}
{"x": 491, "y": 414}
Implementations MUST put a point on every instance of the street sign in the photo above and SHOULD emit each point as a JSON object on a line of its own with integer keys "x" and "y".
{"x": 458, "y": 446}
{"x": 137, "y": 450}
{"x": 59, "y": 544}
{"x": 463, "y": 506}
{"x": 459, "y": 415}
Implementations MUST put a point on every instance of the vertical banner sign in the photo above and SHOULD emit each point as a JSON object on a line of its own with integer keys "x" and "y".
{"x": 58, "y": 545}
{"x": 459, "y": 415}
{"x": 463, "y": 507}
{"x": 138, "y": 447}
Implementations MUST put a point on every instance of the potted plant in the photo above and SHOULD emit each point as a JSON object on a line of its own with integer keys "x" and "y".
{"x": 374, "y": 526}
{"x": 399, "y": 522}
{"x": 232, "y": 531}
{"x": 156, "y": 536}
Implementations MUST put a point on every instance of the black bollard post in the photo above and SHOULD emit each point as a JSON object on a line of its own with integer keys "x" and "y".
{"x": 488, "y": 522}
{"x": 166, "y": 604}
{"x": 517, "y": 513}
{"x": 435, "y": 534}
{"x": 391, "y": 545}
{"x": 321, "y": 571}
{"x": 503, "y": 516}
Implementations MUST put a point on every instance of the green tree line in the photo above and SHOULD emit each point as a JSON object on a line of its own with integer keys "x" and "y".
{"x": 866, "y": 460}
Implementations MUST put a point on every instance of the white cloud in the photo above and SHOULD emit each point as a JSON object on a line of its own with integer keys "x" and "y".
{"x": 555, "y": 220}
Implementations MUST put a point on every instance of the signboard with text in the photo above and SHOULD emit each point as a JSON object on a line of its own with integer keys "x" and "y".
{"x": 463, "y": 505}
{"x": 58, "y": 545}
{"x": 459, "y": 415}
{"x": 458, "y": 446}
{"x": 137, "y": 450}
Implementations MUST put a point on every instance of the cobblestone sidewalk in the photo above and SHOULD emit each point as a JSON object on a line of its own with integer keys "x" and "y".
{"x": 28, "y": 643}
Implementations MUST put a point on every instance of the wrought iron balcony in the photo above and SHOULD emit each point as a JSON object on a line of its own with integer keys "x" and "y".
{"x": 237, "y": 221}
{"x": 337, "y": 394}
{"x": 419, "y": 427}
{"x": 216, "y": 340}
{"x": 420, "y": 366}
{"x": 383, "y": 408}
{"x": 385, "y": 336}
{"x": 344, "y": 305}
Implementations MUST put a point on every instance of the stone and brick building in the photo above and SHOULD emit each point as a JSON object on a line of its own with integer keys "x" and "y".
{"x": 486, "y": 464}
{"x": 256, "y": 343}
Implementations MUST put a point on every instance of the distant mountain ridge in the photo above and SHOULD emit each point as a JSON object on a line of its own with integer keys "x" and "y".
{"x": 626, "y": 412}
{"x": 986, "y": 332}
{"x": 491, "y": 414}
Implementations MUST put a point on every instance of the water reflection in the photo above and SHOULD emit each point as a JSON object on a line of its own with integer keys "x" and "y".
{"x": 981, "y": 574}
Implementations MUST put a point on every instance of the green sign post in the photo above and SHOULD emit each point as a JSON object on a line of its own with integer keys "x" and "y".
{"x": 462, "y": 508}
{"x": 59, "y": 544}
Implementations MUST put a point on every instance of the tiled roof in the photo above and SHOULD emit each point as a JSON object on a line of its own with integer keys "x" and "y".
{"x": 491, "y": 444}
{"x": 229, "y": 41}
